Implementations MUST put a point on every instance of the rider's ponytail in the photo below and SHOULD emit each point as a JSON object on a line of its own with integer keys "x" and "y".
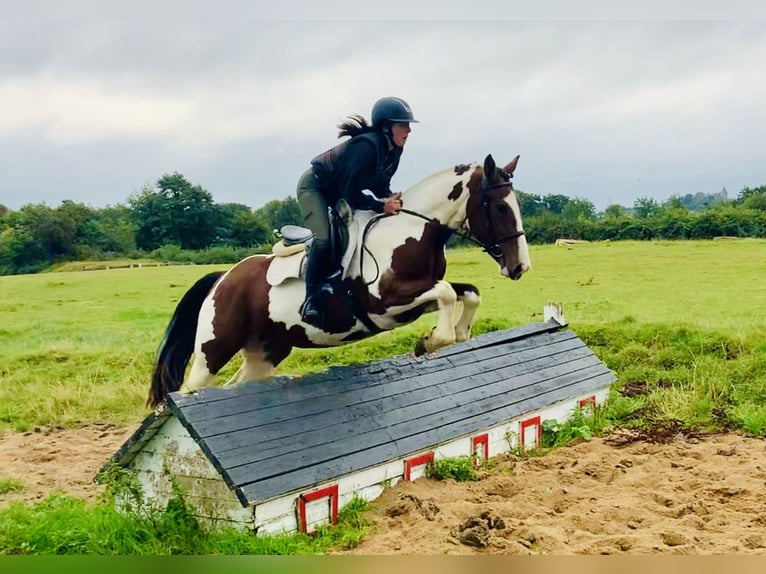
{"x": 353, "y": 125}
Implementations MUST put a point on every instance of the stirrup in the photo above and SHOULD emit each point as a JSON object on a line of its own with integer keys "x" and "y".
{"x": 314, "y": 321}
{"x": 333, "y": 284}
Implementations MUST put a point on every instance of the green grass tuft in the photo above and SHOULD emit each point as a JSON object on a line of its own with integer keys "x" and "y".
{"x": 64, "y": 525}
{"x": 10, "y": 485}
{"x": 459, "y": 468}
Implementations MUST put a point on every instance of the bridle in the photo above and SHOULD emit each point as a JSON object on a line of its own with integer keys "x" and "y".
{"x": 494, "y": 246}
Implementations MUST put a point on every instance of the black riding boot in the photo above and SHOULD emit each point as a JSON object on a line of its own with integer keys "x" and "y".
{"x": 315, "y": 271}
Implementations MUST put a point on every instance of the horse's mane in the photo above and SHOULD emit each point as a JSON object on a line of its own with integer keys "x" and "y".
{"x": 353, "y": 125}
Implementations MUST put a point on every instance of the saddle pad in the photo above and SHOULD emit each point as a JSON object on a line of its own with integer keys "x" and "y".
{"x": 283, "y": 268}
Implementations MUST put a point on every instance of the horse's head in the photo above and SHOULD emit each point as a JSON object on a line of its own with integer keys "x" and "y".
{"x": 494, "y": 217}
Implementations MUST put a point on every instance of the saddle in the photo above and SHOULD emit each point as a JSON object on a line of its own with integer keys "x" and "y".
{"x": 290, "y": 251}
{"x": 346, "y": 243}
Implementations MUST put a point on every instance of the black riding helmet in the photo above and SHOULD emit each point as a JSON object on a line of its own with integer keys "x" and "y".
{"x": 391, "y": 110}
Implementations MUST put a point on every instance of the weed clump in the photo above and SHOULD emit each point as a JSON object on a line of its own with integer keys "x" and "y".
{"x": 459, "y": 468}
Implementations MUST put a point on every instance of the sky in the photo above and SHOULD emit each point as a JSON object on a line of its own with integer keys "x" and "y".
{"x": 600, "y": 103}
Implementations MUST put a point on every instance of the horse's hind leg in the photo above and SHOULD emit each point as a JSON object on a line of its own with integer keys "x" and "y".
{"x": 215, "y": 356}
{"x": 468, "y": 295}
{"x": 199, "y": 375}
{"x": 211, "y": 354}
{"x": 256, "y": 366}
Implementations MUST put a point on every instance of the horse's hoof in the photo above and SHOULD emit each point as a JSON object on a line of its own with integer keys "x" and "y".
{"x": 430, "y": 342}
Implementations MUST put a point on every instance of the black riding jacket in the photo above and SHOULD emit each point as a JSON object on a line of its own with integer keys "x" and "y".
{"x": 366, "y": 161}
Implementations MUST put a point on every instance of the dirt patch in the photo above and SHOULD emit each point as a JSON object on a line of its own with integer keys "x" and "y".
{"x": 54, "y": 459}
{"x": 686, "y": 496}
{"x": 691, "y": 495}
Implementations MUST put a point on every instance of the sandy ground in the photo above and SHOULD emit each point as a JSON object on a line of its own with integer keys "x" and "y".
{"x": 54, "y": 459}
{"x": 687, "y": 496}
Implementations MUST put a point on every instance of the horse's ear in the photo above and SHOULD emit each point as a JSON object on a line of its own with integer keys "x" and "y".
{"x": 511, "y": 166}
{"x": 489, "y": 166}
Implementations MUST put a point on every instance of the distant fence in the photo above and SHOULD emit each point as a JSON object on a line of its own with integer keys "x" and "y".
{"x": 103, "y": 266}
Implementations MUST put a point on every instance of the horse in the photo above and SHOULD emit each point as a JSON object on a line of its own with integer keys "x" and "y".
{"x": 394, "y": 272}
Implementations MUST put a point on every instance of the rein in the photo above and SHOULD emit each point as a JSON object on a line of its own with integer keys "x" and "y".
{"x": 469, "y": 237}
{"x": 492, "y": 248}
{"x": 380, "y": 216}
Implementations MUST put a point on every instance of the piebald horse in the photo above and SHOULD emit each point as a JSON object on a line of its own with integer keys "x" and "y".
{"x": 394, "y": 273}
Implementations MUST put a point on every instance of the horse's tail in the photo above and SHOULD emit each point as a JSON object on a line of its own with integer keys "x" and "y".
{"x": 178, "y": 344}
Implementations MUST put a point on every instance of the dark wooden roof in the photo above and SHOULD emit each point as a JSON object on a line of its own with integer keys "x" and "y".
{"x": 271, "y": 437}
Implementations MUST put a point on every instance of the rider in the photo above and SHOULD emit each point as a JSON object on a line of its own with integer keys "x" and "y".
{"x": 366, "y": 161}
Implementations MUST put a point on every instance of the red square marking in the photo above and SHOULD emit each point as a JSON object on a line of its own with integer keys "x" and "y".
{"x": 411, "y": 463}
{"x": 587, "y": 402}
{"x": 330, "y": 492}
{"x": 480, "y": 448}
{"x": 533, "y": 422}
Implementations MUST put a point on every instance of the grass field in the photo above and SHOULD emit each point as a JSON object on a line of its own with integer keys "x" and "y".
{"x": 686, "y": 318}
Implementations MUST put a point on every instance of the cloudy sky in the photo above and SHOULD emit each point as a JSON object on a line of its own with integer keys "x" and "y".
{"x": 606, "y": 106}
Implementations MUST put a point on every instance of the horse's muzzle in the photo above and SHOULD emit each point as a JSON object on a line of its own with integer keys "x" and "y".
{"x": 515, "y": 273}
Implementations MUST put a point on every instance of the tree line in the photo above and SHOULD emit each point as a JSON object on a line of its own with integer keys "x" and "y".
{"x": 699, "y": 216}
{"x": 174, "y": 220}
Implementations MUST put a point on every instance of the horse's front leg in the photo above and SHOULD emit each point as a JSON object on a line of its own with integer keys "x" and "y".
{"x": 443, "y": 333}
{"x": 468, "y": 295}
